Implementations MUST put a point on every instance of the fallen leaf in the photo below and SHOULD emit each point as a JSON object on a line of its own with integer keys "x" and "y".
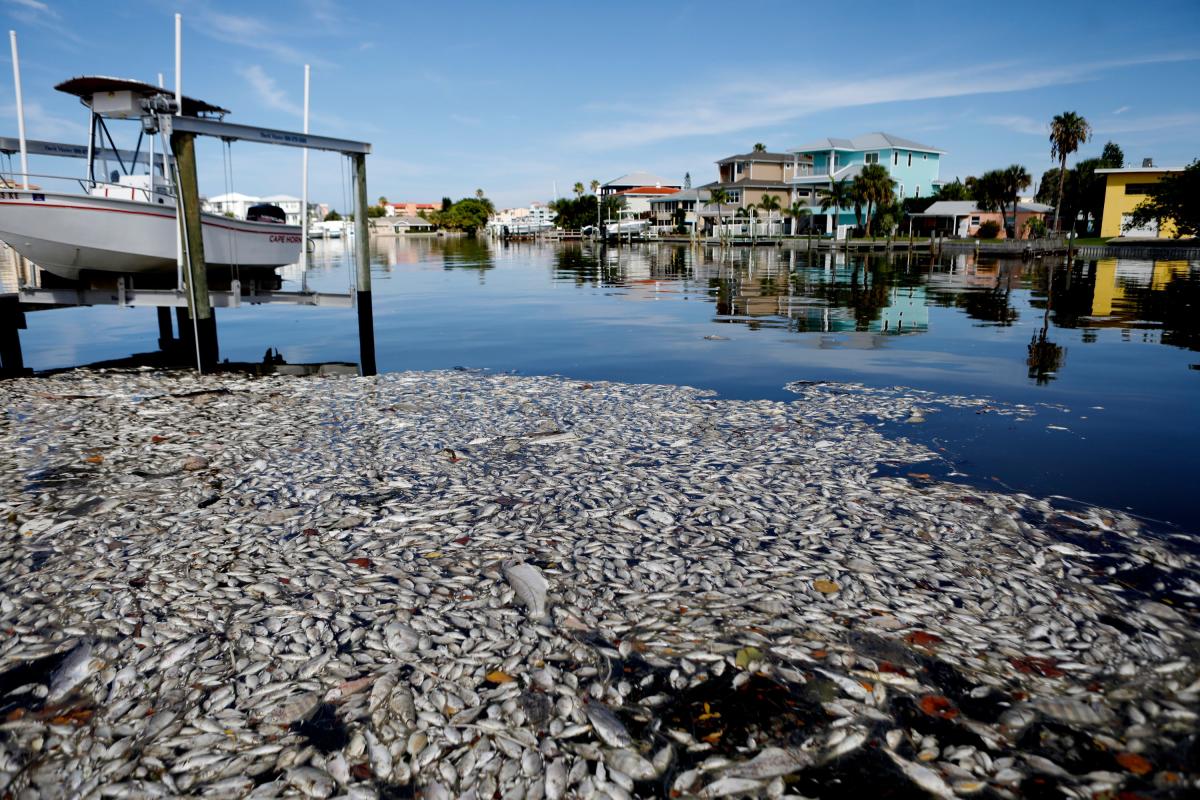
{"x": 498, "y": 677}
{"x": 746, "y": 655}
{"x": 310, "y": 531}
{"x": 462, "y": 540}
{"x": 819, "y": 653}
{"x": 158, "y": 439}
{"x": 361, "y": 771}
{"x": 434, "y": 554}
{"x": 713, "y": 737}
{"x": 1046, "y": 667}
{"x": 97, "y": 459}
{"x": 937, "y": 706}
{"x": 923, "y": 638}
{"x": 361, "y": 562}
{"x": 1136, "y": 764}
{"x": 825, "y": 587}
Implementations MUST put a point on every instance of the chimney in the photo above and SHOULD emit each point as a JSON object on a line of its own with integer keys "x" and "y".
{"x": 1147, "y": 162}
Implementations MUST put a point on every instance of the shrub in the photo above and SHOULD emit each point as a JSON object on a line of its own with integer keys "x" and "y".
{"x": 1035, "y": 227}
{"x": 988, "y": 230}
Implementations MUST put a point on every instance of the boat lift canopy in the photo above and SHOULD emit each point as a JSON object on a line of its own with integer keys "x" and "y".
{"x": 87, "y": 87}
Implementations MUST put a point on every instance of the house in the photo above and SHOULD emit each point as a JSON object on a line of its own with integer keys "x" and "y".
{"x": 1124, "y": 189}
{"x": 669, "y": 210}
{"x": 963, "y": 218}
{"x": 750, "y": 177}
{"x": 405, "y": 225}
{"x": 635, "y": 180}
{"x": 404, "y": 209}
{"x": 637, "y": 199}
{"x": 817, "y": 165}
{"x": 290, "y": 206}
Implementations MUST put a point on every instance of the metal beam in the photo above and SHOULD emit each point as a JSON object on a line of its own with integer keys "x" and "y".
{"x": 37, "y": 147}
{"x": 169, "y": 298}
{"x": 251, "y": 133}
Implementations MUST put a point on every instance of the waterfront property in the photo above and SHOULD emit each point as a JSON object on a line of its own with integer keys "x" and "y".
{"x": 749, "y": 177}
{"x": 237, "y": 204}
{"x": 407, "y": 209}
{"x": 404, "y": 225}
{"x": 1125, "y": 188}
{"x": 635, "y": 180}
{"x": 817, "y": 165}
{"x": 637, "y": 199}
{"x": 963, "y": 218}
{"x": 671, "y": 211}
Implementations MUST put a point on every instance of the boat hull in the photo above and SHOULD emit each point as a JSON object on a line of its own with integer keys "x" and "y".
{"x": 67, "y": 233}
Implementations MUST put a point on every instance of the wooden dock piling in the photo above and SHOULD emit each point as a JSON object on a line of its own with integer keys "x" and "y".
{"x": 183, "y": 146}
{"x": 362, "y": 250}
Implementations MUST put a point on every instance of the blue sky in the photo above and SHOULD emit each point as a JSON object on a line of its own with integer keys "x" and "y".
{"x": 508, "y": 98}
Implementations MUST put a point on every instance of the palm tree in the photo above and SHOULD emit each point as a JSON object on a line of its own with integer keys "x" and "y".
{"x": 795, "y": 212}
{"x": 1068, "y": 130}
{"x": 382, "y": 200}
{"x": 858, "y": 193}
{"x": 839, "y": 195}
{"x": 759, "y": 147}
{"x": 578, "y": 188}
{"x": 878, "y": 189}
{"x": 770, "y": 204}
{"x": 479, "y": 193}
{"x": 1016, "y": 178}
{"x": 991, "y": 190}
{"x": 717, "y": 196}
{"x": 594, "y": 185}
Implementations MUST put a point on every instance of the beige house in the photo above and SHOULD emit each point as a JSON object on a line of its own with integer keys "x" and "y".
{"x": 750, "y": 177}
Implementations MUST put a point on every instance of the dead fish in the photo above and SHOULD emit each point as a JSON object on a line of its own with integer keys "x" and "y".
{"x": 771, "y": 762}
{"x": 293, "y": 709}
{"x": 74, "y": 670}
{"x": 530, "y": 587}
{"x": 610, "y": 729}
{"x": 724, "y": 787}
{"x": 922, "y": 776}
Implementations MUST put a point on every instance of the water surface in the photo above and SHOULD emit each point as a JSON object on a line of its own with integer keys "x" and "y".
{"x": 1106, "y": 350}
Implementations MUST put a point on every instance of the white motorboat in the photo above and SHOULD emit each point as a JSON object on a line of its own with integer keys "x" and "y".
{"x": 128, "y": 223}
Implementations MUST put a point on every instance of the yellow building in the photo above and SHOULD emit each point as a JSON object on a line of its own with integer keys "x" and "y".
{"x": 1124, "y": 189}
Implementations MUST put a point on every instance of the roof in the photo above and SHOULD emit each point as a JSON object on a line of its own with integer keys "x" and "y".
{"x": 85, "y": 86}
{"x": 844, "y": 173}
{"x": 650, "y": 190}
{"x": 1136, "y": 170}
{"x": 868, "y": 141}
{"x": 699, "y": 193}
{"x": 749, "y": 183}
{"x": 640, "y": 179}
{"x": 775, "y": 158}
{"x": 281, "y": 198}
{"x": 412, "y": 221}
{"x": 962, "y": 208}
{"x": 234, "y": 197}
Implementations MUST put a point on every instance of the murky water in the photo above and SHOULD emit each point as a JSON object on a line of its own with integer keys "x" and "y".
{"x": 1107, "y": 349}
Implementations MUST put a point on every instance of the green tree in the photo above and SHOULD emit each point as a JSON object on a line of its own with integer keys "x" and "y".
{"x": 991, "y": 194}
{"x": 759, "y": 147}
{"x": 797, "y": 211}
{"x": 687, "y": 180}
{"x": 375, "y": 212}
{"x": 446, "y": 203}
{"x": 770, "y": 204}
{"x": 839, "y": 195}
{"x": 382, "y": 200}
{"x": 479, "y": 194}
{"x": 1113, "y": 156}
{"x": 877, "y": 187}
{"x": 333, "y": 216}
{"x": 1068, "y": 131}
{"x": 718, "y": 197}
{"x": 595, "y": 184}
{"x": 955, "y": 190}
{"x": 1016, "y": 178}
{"x": 578, "y": 188}
{"x": 1176, "y": 198}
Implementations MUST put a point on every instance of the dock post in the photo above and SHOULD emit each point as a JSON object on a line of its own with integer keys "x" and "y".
{"x": 166, "y": 336}
{"x": 362, "y": 251}
{"x": 183, "y": 146}
{"x": 12, "y": 319}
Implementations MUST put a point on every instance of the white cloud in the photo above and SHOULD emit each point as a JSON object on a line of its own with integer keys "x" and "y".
{"x": 34, "y": 5}
{"x": 1121, "y": 110}
{"x": 1019, "y": 124}
{"x": 248, "y": 32}
{"x": 1151, "y": 123}
{"x": 40, "y": 124}
{"x": 721, "y": 108}
{"x": 268, "y": 91}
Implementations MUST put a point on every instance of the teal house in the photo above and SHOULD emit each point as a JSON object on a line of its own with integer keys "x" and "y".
{"x": 815, "y": 166}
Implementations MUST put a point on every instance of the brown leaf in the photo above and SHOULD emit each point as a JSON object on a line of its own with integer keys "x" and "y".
{"x": 1046, "y": 667}
{"x": 156, "y": 439}
{"x": 498, "y": 677}
{"x": 825, "y": 587}
{"x": 365, "y": 563}
{"x": 96, "y": 459}
{"x": 937, "y": 706}
{"x": 923, "y": 638}
{"x": 462, "y": 540}
{"x": 361, "y": 771}
{"x": 1136, "y": 764}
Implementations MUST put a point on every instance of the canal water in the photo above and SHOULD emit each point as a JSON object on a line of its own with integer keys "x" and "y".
{"x": 1106, "y": 351}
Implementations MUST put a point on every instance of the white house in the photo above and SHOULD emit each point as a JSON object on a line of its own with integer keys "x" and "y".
{"x": 238, "y": 204}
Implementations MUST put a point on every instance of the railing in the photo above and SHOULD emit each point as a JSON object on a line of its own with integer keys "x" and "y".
{"x": 11, "y": 181}
{"x": 1145, "y": 251}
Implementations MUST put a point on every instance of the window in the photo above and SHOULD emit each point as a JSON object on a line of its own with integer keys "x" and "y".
{"x": 917, "y": 193}
{"x": 910, "y": 159}
{"x": 901, "y": 189}
{"x": 924, "y": 156}
{"x": 871, "y": 158}
{"x": 974, "y": 221}
{"x": 1138, "y": 188}
{"x": 895, "y": 158}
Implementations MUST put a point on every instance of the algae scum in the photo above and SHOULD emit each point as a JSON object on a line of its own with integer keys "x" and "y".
{"x": 454, "y": 584}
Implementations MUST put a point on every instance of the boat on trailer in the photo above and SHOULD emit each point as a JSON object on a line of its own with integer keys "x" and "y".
{"x": 124, "y": 222}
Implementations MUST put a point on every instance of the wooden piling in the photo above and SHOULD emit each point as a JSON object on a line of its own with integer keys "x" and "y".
{"x": 166, "y": 336}
{"x": 12, "y": 319}
{"x": 183, "y": 146}
{"x": 362, "y": 250}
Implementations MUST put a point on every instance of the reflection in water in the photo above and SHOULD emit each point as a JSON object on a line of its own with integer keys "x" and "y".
{"x": 831, "y": 293}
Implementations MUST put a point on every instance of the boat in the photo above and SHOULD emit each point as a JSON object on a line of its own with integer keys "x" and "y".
{"x": 125, "y": 222}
